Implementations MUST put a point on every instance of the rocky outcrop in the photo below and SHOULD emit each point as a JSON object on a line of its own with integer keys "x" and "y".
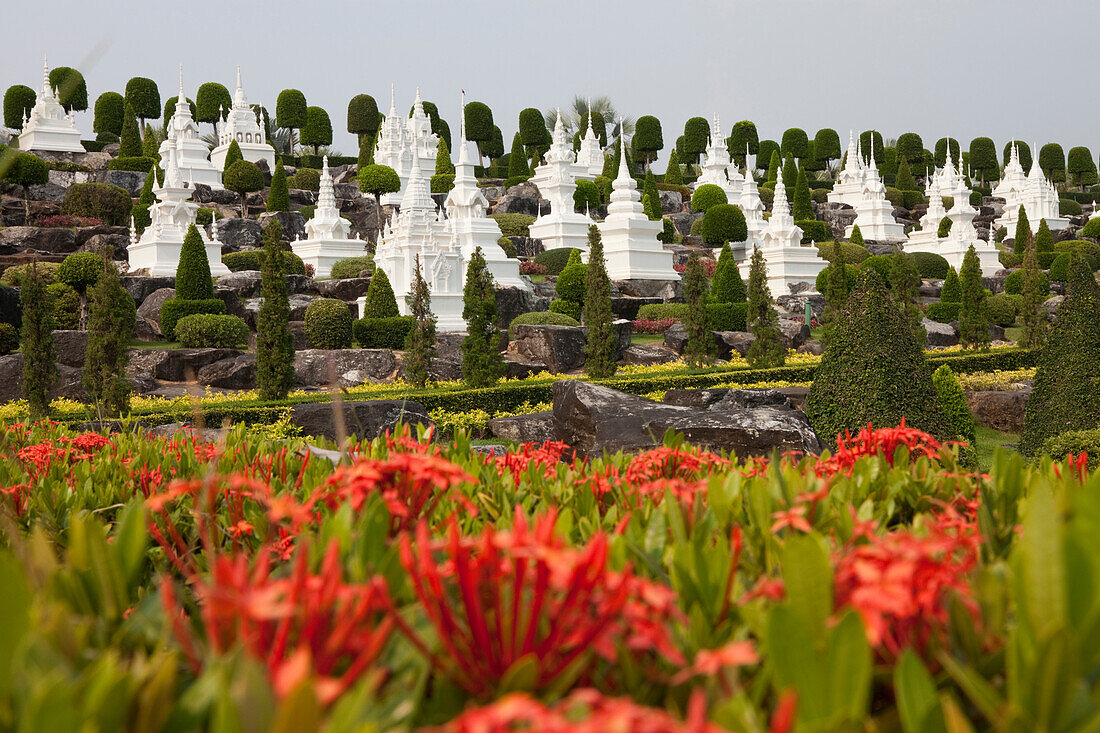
{"x": 148, "y": 313}
{"x": 175, "y": 365}
{"x": 649, "y": 354}
{"x": 11, "y": 380}
{"x": 512, "y": 302}
{"x": 560, "y": 348}
{"x": 243, "y": 283}
{"x": 347, "y": 289}
{"x": 536, "y": 427}
{"x": 349, "y": 367}
{"x": 293, "y": 223}
{"x": 940, "y": 334}
{"x": 238, "y": 234}
{"x": 238, "y": 372}
{"x": 1001, "y": 410}
{"x": 55, "y": 240}
{"x": 364, "y": 419}
{"x": 70, "y": 347}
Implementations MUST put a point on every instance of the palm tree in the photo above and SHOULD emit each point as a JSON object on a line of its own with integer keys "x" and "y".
{"x": 575, "y": 115}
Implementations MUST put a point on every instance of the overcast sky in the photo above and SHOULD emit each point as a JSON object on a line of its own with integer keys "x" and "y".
{"x": 1000, "y": 68}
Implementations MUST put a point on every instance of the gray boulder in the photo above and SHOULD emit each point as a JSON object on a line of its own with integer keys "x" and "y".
{"x": 54, "y": 240}
{"x": 243, "y": 283}
{"x": 175, "y": 365}
{"x": 512, "y": 302}
{"x": 666, "y": 290}
{"x": 347, "y": 289}
{"x": 238, "y": 234}
{"x": 672, "y": 202}
{"x": 350, "y": 367}
{"x": 11, "y": 380}
{"x": 236, "y": 373}
{"x": 10, "y": 310}
{"x": 293, "y": 223}
{"x": 148, "y": 313}
{"x": 518, "y": 369}
{"x": 1001, "y": 410}
{"x": 560, "y": 348}
{"x": 205, "y": 195}
{"x": 649, "y": 354}
{"x": 536, "y": 427}
{"x": 738, "y": 341}
{"x": 132, "y": 181}
{"x": 140, "y": 287}
{"x": 70, "y": 347}
{"x": 364, "y": 419}
{"x": 940, "y": 334}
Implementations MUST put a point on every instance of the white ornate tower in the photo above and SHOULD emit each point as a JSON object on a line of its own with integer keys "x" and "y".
{"x": 789, "y": 263}
{"x": 716, "y": 163}
{"x": 874, "y": 214}
{"x": 327, "y": 240}
{"x": 753, "y": 208}
{"x": 48, "y": 126}
{"x": 849, "y": 184}
{"x": 241, "y": 125}
{"x": 556, "y": 180}
{"x": 591, "y": 154}
{"x": 191, "y": 152}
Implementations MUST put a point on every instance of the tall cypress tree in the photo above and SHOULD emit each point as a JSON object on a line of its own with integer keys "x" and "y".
{"x": 651, "y": 197}
{"x": 39, "y": 369}
{"x": 274, "y": 342}
{"x": 836, "y": 291}
{"x": 773, "y": 167}
{"x": 420, "y": 343}
{"x": 129, "y": 144}
{"x": 803, "y": 209}
{"x": 727, "y": 287}
{"x": 1032, "y": 313}
{"x": 150, "y": 148}
{"x": 443, "y": 163}
{"x": 278, "y": 197}
{"x": 973, "y": 320}
{"x": 767, "y": 349}
{"x": 193, "y": 279}
{"x": 517, "y": 160}
{"x": 790, "y": 173}
{"x": 482, "y": 365}
{"x": 672, "y": 173}
{"x": 905, "y": 281}
{"x": 111, "y": 313}
{"x": 1023, "y": 232}
{"x": 600, "y": 337}
{"x": 380, "y": 301}
{"x": 1044, "y": 240}
{"x": 699, "y": 350}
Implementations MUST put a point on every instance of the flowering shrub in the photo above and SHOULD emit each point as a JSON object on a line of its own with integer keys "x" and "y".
{"x": 709, "y": 266}
{"x": 654, "y": 326}
{"x": 530, "y": 267}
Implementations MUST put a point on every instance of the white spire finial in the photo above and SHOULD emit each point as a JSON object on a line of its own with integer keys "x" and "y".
{"x": 588, "y": 103}
{"x": 45, "y": 74}
{"x": 393, "y": 98}
{"x": 240, "y": 86}
{"x": 181, "y": 85}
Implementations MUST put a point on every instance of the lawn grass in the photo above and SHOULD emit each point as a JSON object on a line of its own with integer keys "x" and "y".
{"x": 647, "y": 338}
{"x": 988, "y": 440}
{"x": 134, "y": 344}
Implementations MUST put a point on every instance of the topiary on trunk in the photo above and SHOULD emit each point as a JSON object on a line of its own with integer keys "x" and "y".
{"x": 600, "y": 337}
{"x": 274, "y": 342}
{"x": 873, "y": 370}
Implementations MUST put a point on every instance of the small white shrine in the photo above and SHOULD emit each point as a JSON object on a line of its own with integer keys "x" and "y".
{"x": 962, "y": 235}
{"x": 717, "y": 166}
{"x": 401, "y": 140}
{"x": 470, "y": 227}
{"x": 753, "y": 209}
{"x": 789, "y": 263}
{"x": 848, "y": 188}
{"x": 419, "y": 228}
{"x": 1013, "y": 180}
{"x": 874, "y": 214}
{"x": 49, "y": 126}
{"x": 951, "y": 181}
{"x": 630, "y": 245}
{"x": 556, "y": 181}
{"x": 242, "y": 125}
{"x": 927, "y": 238}
{"x": 327, "y": 241}
{"x": 192, "y": 154}
{"x": 590, "y": 155}
{"x": 1038, "y": 197}
{"x": 158, "y": 249}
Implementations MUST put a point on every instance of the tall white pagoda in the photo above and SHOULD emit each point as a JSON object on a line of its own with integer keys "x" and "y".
{"x": 590, "y": 155}
{"x": 631, "y": 248}
{"x": 191, "y": 153}
{"x": 848, "y": 188}
{"x": 470, "y": 227}
{"x": 1014, "y": 179}
{"x": 753, "y": 209}
{"x": 401, "y": 140}
{"x": 49, "y": 126}
{"x": 327, "y": 241}
{"x": 556, "y": 180}
{"x": 420, "y": 229}
{"x": 962, "y": 235}
{"x": 951, "y": 181}
{"x": 874, "y": 214}
{"x": 926, "y": 239}
{"x": 1039, "y": 199}
{"x": 242, "y": 125}
{"x": 789, "y": 263}
{"x": 158, "y": 249}
{"x": 717, "y": 164}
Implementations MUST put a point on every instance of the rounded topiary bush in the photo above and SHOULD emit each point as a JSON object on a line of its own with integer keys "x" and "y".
{"x": 206, "y": 331}
{"x": 13, "y": 276}
{"x": 853, "y": 253}
{"x": 508, "y": 246}
{"x": 383, "y": 333}
{"x": 380, "y": 301}
{"x": 9, "y": 338}
{"x": 571, "y": 282}
{"x": 305, "y": 179}
{"x": 328, "y": 324}
{"x": 851, "y": 275}
{"x": 554, "y": 260}
{"x": 352, "y": 266}
{"x": 514, "y": 225}
{"x": 814, "y": 230}
{"x": 104, "y": 201}
{"x": 706, "y": 196}
{"x": 1069, "y": 207}
{"x": 882, "y": 264}
{"x": 66, "y": 305}
{"x": 80, "y": 270}
{"x": 944, "y": 228}
{"x": 173, "y": 309}
{"x": 873, "y": 370}
{"x": 541, "y": 318}
{"x": 1091, "y": 229}
{"x": 1082, "y": 246}
{"x": 661, "y": 311}
{"x": 1002, "y": 309}
{"x": 930, "y": 265}
{"x": 724, "y": 223}
{"x": 1014, "y": 283}
{"x": 254, "y": 260}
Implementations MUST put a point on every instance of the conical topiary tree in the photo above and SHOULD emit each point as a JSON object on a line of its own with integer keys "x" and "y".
{"x": 1044, "y": 244}
{"x": 517, "y": 160}
{"x": 727, "y": 285}
{"x": 420, "y": 343}
{"x": 443, "y": 163}
{"x": 952, "y": 290}
{"x": 1065, "y": 395}
{"x": 1035, "y": 288}
{"x": 953, "y": 403}
{"x": 836, "y": 291}
{"x": 111, "y": 314}
{"x": 600, "y": 337}
{"x": 773, "y": 167}
{"x": 278, "y": 197}
{"x": 380, "y": 300}
{"x": 699, "y": 349}
{"x": 651, "y": 198}
{"x": 1023, "y": 232}
{"x": 873, "y": 370}
{"x": 274, "y": 342}
{"x": 790, "y": 173}
{"x": 150, "y": 147}
{"x": 193, "y": 279}
{"x": 36, "y": 342}
{"x": 482, "y": 364}
{"x": 767, "y": 349}
{"x": 803, "y": 208}
{"x": 232, "y": 155}
{"x": 905, "y": 282}
{"x": 973, "y": 319}
{"x": 857, "y": 236}
{"x": 129, "y": 144}
{"x": 672, "y": 173}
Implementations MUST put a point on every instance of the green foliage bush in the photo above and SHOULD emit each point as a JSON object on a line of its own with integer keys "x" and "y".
{"x": 1084, "y": 247}
{"x": 851, "y": 275}
{"x": 930, "y": 265}
{"x": 13, "y": 276}
{"x": 305, "y": 179}
{"x": 383, "y": 333}
{"x": 944, "y": 228}
{"x": 1002, "y": 309}
{"x": 175, "y": 309}
{"x": 9, "y": 338}
{"x": 570, "y": 285}
{"x": 569, "y": 308}
{"x": 724, "y": 223}
{"x": 953, "y": 403}
{"x": 135, "y": 163}
{"x": 80, "y": 270}
{"x": 508, "y": 246}
{"x": 852, "y": 253}
{"x": 587, "y": 196}
{"x": 1074, "y": 443}
{"x": 201, "y": 331}
{"x": 541, "y": 318}
{"x": 352, "y": 266}
{"x": 1091, "y": 229}
{"x": 1014, "y": 283}
{"x": 554, "y": 260}
{"x": 727, "y": 316}
{"x": 514, "y": 225}
{"x": 253, "y": 259}
{"x": 882, "y": 264}
{"x": 1069, "y": 207}
{"x": 660, "y": 311}
{"x": 328, "y": 324}
{"x": 814, "y": 230}
{"x": 380, "y": 301}
{"x": 66, "y": 305}
{"x": 104, "y": 201}
{"x": 706, "y": 196}
{"x": 943, "y": 312}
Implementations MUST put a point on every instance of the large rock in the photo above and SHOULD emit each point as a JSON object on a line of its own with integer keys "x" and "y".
{"x": 794, "y": 335}
{"x": 205, "y": 195}
{"x": 132, "y": 181}
{"x": 298, "y": 305}
{"x": 560, "y": 348}
{"x": 594, "y": 419}
{"x": 672, "y": 202}
{"x": 527, "y": 247}
{"x": 238, "y": 372}
{"x": 349, "y": 367}
{"x": 666, "y": 290}
{"x": 649, "y": 354}
{"x": 115, "y": 243}
{"x": 11, "y": 380}
{"x": 301, "y": 285}
{"x": 364, "y": 419}
{"x": 148, "y": 313}
{"x": 796, "y": 304}
{"x": 676, "y": 339}
{"x": 839, "y": 217}
{"x": 55, "y": 240}
{"x": 140, "y": 287}
{"x": 682, "y": 222}
{"x": 347, "y": 289}
{"x": 536, "y": 427}
{"x": 940, "y": 334}
{"x": 238, "y": 234}
{"x": 1001, "y": 410}
{"x": 243, "y": 283}
{"x": 515, "y": 368}
{"x": 523, "y": 198}
{"x": 512, "y": 302}
{"x": 738, "y": 341}
{"x": 70, "y": 347}
{"x": 293, "y": 223}
{"x": 175, "y": 365}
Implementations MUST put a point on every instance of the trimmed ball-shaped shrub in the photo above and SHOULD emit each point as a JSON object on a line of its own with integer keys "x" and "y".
{"x": 254, "y": 260}
{"x": 13, "y": 276}
{"x": 814, "y": 230}
{"x": 305, "y": 179}
{"x": 571, "y": 282}
{"x": 383, "y": 333}
{"x": 944, "y": 228}
{"x": 569, "y": 308}
{"x": 851, "y": 275}
{"x": 853, "y": 253}
{"x": 554, "y": 260}
{"x": 727, "y": 316}
{"x": 1014, "y": 283}
{"x": 943, "y": 312}
{"x": 1069, "y": 207}
{"x": 541, "y": 318}
{"x": 104, "y": 201}
{"x": 206, "y": 331}
{"x": 724, "y": 223}
{"x": 1091, "y": 229}
{"x": 882, "y": 264}
{"x": 80, "y": 270}
{"x": 931, "y": 265}
{"x": 1083, "y": 246}
{"x": 352, "y": 266}
{"x": 587, "y": 196}
{"x": 328, "y": 324}
{"x": 706, "y": 196}
{"x": 1060, "y": 265}
{"x": 175, "y": 309}
{"x": 9, "y": 338}
{"x": 514, "y": 225}
{"x": 1002, "y": 309}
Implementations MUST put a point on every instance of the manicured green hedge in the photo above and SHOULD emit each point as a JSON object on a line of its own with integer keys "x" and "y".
{"x": 541, "y": 318}
{"x": 203, "y": 330}
{"x": 1075, "y": 442}
{"x": 328, "y": 324}
{"x": 1002, "y": 309}
{"x": 254, "y": 260}
{"x": 134, "y": 163}
{"x": 943, "y": 312}
{"x": 173, "y": 309}
{"x": 514, "y": 225}
{"x": 352, "y": 266}
{"x": 931, "y": 265}
{"x": 554, "y": 260}
{"x": 104, "y": 201}
{"x": 383, "y": 333}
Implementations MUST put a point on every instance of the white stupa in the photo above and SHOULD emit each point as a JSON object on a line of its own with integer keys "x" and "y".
{"x": 1039, "y": 199}
{"x": 470, "y": 227}
{"x": 401, "y": 140}
{"x": 951, "y": 181}
{"x": 192, "y": 154}
{"x": 419, "y": 228}
{"x": 631, "y": 248}
{"x": 251, "y": 134}
{"x": 717, "y": 163}
{"x": 753, "y": 209}
{"x": 848, "y": 188}
{"x": 158, "y": 250}
{"x": 963, "y": 234}
{"x": 874, "y": 214}
{"x": 789, "y": 263}
{"x": 1014, "y": 178}
{"x": 49, "y": 126}
{"x": 556, "y": 181}
{"x": 327, "y": 241}
{"x": 926, "y": 239}
{"x": 591, "y": 154}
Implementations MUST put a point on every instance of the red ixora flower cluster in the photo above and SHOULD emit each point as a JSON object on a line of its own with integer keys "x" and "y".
{"x": 304, "y": 626}
{"x": 872, "y": 442}
{"x": 547, "y": 454}
{"x": 652, "y": 325}
{"x": 505, "y": 596}
{"x": 900, "y": 582}
{"x": 584, "y": 711}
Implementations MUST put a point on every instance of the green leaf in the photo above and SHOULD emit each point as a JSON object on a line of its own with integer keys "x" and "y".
{"x": 918, "y": 705}
{"x": 1043, "y": 578}
{"x": 791, "y": 650}
{"x": 15, "y": 604}
{"x": 977, "y": 689}
{"x": 522, "y": 676}
{"x": 299, "y": 711}
{"x": 130, "y": 540}
{"x": 808, "y": 578}
{"x": 848, "y": 665}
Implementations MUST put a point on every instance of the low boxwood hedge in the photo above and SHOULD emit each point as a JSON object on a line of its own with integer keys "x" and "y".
{"x": 541, "y": 318}
{"x": 173, "y": 309}
{"x": 383, "y": 333}
{"x": 943, "y": 312}
{"x": 254, "y": 260}
{"x": 328, "y": 324}
{"x": 203, "y": 330}
{"x": 137, "y": 163}
{"x": 554, "y": 260}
